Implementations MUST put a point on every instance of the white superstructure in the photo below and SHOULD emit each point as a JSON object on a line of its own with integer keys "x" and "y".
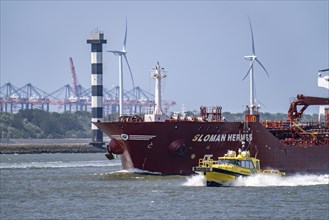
{"x": 323, "y": 81}
{"x": 158, "y": 74}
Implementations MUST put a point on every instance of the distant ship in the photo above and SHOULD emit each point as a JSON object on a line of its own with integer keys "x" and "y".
{"x": 171, "y": 146}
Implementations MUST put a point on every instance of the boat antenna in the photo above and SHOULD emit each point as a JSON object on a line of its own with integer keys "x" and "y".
{"x": 245, "y": 142}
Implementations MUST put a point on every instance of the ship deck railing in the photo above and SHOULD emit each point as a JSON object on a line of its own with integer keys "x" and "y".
{"x": 192, "y": 119}
{"x": 320, "y": 130}
{"x": 278, "y": 124}
{"x": 303, "y": 143}
{"x": 285, "y": 124}
{"x": 207, "y": 161}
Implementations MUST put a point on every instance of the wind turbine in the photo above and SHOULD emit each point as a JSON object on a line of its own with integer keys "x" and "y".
{"x": 123, "y": 53}
{"x": 252, "y": 58}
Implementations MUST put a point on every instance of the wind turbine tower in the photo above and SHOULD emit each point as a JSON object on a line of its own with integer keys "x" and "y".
{"x": 122, "y": 53}
{"x": 252, "y": 58}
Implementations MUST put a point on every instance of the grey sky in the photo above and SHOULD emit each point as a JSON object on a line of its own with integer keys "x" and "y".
{"x": 201, "y": 44}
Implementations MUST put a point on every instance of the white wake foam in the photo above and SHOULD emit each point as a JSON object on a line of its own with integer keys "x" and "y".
{"x": 56, "y": 164}
{"x": 261, "y": 180}
{"x": 138, "y": 171}
{"x": 195, "y": 180}
{"x": 264, "y": 180}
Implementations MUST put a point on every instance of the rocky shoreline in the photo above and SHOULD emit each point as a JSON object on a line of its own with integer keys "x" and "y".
{"x": 38, "y": 148}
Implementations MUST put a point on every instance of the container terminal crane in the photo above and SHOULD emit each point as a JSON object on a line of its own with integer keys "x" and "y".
{"x": 74, "y": 98}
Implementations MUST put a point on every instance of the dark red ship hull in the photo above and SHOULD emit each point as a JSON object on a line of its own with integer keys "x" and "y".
{"x": 174, "y": 147}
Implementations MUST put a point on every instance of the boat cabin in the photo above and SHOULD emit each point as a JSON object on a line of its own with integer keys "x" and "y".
{"x": 242, "y": 160}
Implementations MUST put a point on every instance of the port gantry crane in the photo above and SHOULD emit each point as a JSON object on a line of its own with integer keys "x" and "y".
{"x": 75, "y": 98}
{"x": 74, "y": 78}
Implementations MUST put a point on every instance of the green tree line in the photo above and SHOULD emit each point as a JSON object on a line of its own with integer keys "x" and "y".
{"x": 34, "y": 123}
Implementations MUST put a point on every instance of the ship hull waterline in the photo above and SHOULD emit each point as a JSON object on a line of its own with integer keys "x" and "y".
{"x": 174, "y": 147}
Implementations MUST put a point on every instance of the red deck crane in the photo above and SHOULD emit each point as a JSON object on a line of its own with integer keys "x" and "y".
{"x": 294, "y": 114}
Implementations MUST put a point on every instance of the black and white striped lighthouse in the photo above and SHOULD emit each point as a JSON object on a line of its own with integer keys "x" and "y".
{"x": 96, "y": 40}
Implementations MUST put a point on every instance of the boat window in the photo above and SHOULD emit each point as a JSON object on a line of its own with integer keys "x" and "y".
{"x": 251, "y": 165}
{"x": 243, "y": 163}
{"x": 247, "y": 164}
{"x": 233, "y": 162}
{"x": 223, "y": 162}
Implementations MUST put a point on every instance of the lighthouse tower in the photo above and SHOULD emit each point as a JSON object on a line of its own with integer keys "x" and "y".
{"x": 96, "y": 40}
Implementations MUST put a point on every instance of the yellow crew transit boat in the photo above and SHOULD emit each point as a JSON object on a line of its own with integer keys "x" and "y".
{"x": 229, "y": 167}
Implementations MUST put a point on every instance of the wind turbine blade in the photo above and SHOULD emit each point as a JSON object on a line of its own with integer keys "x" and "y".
{"x": 125, "y": 40}
{"x": 262, "y": 67}
{"x": 252, "y": 38}
{"x": 114, "y": 51}
{"x": 252, "y": 63}
{"x": 324, "y": 70}
{"x": 131, "y": 74}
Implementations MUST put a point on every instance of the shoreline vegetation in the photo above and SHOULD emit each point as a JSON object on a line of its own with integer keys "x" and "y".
{"x": 39, "y": 124}
{"x": 39, "y": 146}
{"x": 49, "y": 148}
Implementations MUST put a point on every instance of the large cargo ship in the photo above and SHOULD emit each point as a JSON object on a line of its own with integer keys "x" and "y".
{"x": 173, "y": 145}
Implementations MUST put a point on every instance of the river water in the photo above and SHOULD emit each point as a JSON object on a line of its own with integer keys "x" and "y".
{"x": 88, "y": 186}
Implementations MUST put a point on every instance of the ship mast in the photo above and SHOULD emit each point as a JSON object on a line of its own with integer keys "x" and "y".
{"x": 157, "y": 114}
{"x": 158, "y": 73}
